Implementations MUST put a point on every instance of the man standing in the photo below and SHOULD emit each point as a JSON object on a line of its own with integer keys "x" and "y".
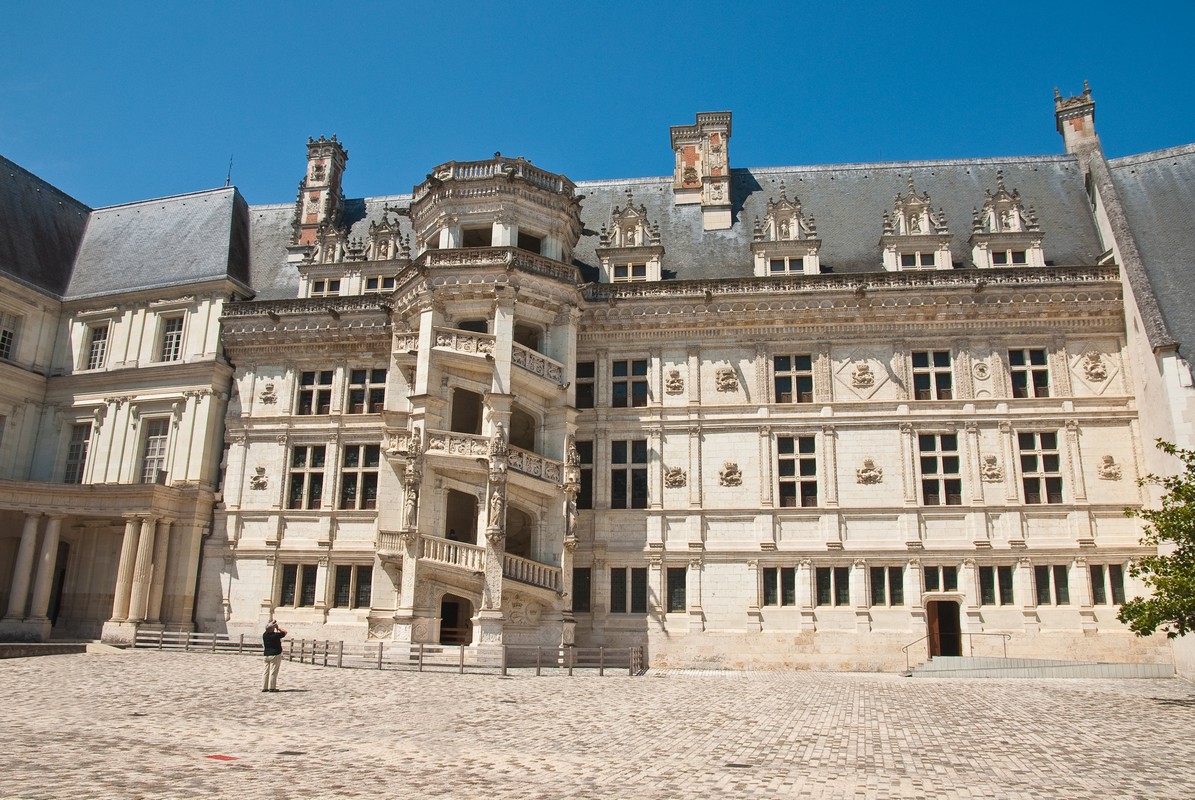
{"x": 271, "y": 642}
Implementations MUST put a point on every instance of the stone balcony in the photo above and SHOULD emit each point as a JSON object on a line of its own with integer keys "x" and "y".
{"x": 471, "y": 558}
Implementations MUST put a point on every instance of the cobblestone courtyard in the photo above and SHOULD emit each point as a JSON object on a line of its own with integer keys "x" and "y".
{"x": 144, "y": 724}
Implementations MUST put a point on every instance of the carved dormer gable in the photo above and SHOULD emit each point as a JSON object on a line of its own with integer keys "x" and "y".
{"x": 629, "y": 246}
{"x": 1003, "y": 232}
{"x": 785, "y": 242}
{"x": 914, "y": 235}
{"x": 384, "y": 241}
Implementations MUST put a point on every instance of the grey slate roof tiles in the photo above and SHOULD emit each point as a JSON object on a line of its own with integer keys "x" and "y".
{"x": 40, "y": 229}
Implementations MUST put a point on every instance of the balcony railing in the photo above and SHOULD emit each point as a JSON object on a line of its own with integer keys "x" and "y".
{"x": 457, "y": 444}
{"x": 531, "y": 572}
{"x": 497, "y": 167}
{"x": 454, "y": 554}
{"x": 500, "y": 257}
{"x": 534, "y": 465}
{"x": 537, "y": 364}
{"x": 464, "y": 341}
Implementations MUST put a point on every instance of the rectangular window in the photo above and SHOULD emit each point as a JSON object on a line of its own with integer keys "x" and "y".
{"x": 887, "y": 586}
{"x": 76, "y": 452}
{"x": 585, "y": 494}
{"x": 995, "y": 586}
{"x": 8, "y": 335}
{"x": 793, "y": 379}
{"x": 781, "y": 266}
{"x": 306, "y": 476}
{"x": 918, "y": 260}
{"x": 172, "y": 339}
{"x": 780, "y": 586}
{"x": 582, "y": 590}
{"x": 306, "y": 585}
{"x": 676, "y": 589}
{"x": 1107, "y": 581}
{"x": 353, "y": 586}
{"x": 940, "y": 482}
{"x": 97, "y": 346}
{"x": 290, "y": 579}
{"x": 325, "y": 287}
{"x": 297, "y": 588}
{"x": 1051, "y": 585}
{"x": 941, "y": 579}
{"x": 153, "y": 460}
{"x": 1003, "y": 257}
{"x": 1030, "y": 373}
{"x": 833, "y": 586}
{"x": 367, "y": 391}
{"x": 629, "y": 384}
{"x": 629, "y": 273}
{"x": 378, "y": 282}
{"x": 315, "y": 392}
{"x": 359, "y": 476}
{"x": 619, "y": 587}
{"x": 1041, "y": 475}
{"x": 797, "y": 467}
{"x": 931, "y": 375}
{"x": 628, "y": 474}
{"x": 585, "y": 384}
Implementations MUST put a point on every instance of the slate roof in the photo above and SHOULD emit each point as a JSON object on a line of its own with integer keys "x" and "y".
{"x": 1157, "y": 192}
{"x": 40, "y": 229}
{"x": 165, "y": 242}
{"x": 847, "y": 201}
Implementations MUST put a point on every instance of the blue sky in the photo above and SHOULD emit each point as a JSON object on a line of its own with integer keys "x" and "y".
{"x": 126, "y": 101}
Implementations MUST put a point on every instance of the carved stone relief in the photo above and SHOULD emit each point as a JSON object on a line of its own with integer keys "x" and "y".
{"x": 726, "y": 380}
{"x": 991, "y": 471}
{"x": 1093, "y": 366}
{"x": 869, "y": 473}
{"x": 523, "y": 611}
{"x": 730, "y": 474}
{"x": 258, "y": 481}
{"x": 674, "y": 477}
{"x": 863, "y": 377}
{"x": 674, "y": 383}
{"x": 268, "y": 395}
{"x": 1108, "y": 469}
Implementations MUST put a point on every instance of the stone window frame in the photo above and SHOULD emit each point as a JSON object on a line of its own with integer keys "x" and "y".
{"x": 932, "y": 371}
{"x": 1102, "y": 576}
{"x": 633, "y": 587}
{"x": 803, "y": 452}
{"x": 629, "y": 471}
{"x": 170, "y": 338}
{"x": 1040, "y": 465}
{"x": 309, "y": 474}
{"x": 77, "y": 451}
{"x": 633, "y": 383}
{"x": 1054, "y": 590}
{"x": 155, "y": 448}
{"x": 889, "y": 590}
{"x": 318, "y": 396}
{"x": 797, "y": 374}
{"x": 836, "y": 581}
{"x": 361, "y": 476}
{"x": 372, "y": 388}
{"x": 298, "y": 585}
{"x": 778, "y": 587}
{"x": 1034, "y": 375}
{"x": 353, "y": 588}
{"x": 992, "y": 584}
{"x": 941, "y": 477}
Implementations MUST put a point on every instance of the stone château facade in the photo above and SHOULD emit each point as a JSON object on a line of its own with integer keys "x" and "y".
{"x": 789, "y": 416}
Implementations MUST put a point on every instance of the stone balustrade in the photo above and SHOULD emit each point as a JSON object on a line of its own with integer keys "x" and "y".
{"x": 457, "y": 444}
{"x": 532, "y": 572}
{"x": 537, "y": 364}
{"x": 390, "y": 544}
{"x": 456, "y": 554}
{"x": 500, "y": 257}
{"x": 464, "y": 341}
{"x": 534, "y": 465}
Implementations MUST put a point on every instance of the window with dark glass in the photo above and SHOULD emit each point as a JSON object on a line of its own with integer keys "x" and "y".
{"x": 995, "y": 586}
{"x": 585, "y": 384}
{"x": 918, "y": 260}
{"x": 833, "y": 586}
{"x": 1107, "y": 581}
{"x": 359, "y": 476}
{"x": 797, "y": 468}
{"x": 779, "y": 586}
{"x": 367, "y": 391}
{"x": 306, "y": 476}
{"x": 887, "y": 586}
{"x": 793, "y": 378}
{"x": 1030, "y": 373}
{"x": 76, "y": 452}
{"x": 1041, "y": 467}
{"x": 940, "y": 482}
{"x": 628, "y": 473}
{"x": 932, "y": 378}
{"x": 315, "y": 392}
{"x": 585, "y": 494}
{"x": 637, "y": 587}
{"x": 353, "y": 586}
{"x": 628, "y": 386}
{"x": 941, "y": 579}
{"x": 582, "y": 589}
{"x": 1051, "y": 585}
{"x": 676, "y": 589}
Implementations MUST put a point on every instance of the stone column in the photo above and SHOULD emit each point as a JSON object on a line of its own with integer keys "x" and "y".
{"x": 124, "y": 576}
{"x": 1081, "y": 594}
{"x": 47, "y": 561}
{"x": 22, "y": 571}
{"x": 859, "y": 596}
{"x": 1023, "y": 583}
{"x": 158, "y": 584}
{"x": 489, "y": 618}
{"x": 142, "y": 571}
{"x": 805, "y": 594}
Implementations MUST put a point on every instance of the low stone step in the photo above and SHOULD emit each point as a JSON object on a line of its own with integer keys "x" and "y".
{"x": 963, "y": 667}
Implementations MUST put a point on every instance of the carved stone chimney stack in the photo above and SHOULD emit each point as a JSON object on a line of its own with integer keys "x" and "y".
{"x": 702, "y": 172}
{"x": 321, "y": 199}
{"x": 1075, "y": 118}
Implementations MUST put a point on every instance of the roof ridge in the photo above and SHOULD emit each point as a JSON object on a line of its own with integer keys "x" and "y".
{"x": 170, "y": 197}
{"x": 13, "y": 165}
{"x": 1153, "y": 155}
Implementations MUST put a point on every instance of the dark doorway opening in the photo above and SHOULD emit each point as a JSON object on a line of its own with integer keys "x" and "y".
{"x": 945, "y": 632}
{"x": 456, "y": 625}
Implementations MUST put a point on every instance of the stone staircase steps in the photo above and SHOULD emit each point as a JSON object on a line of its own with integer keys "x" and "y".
{"x": 987, "y": 667}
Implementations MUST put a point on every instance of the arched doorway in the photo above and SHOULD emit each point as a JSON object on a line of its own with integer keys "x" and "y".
{"x": 522, "y": 429}
{"x": 520, "y": 529}
{"x": 456, "y": 626}
{"x": 942, "y": 625}
{"x": 460, "y": 517}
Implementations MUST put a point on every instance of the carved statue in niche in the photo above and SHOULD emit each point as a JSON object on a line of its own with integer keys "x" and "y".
{"x": 674, "y": 383}
{"x": 317, "y": 171}
{"x": 1094, "y": 367}
{"x": 268, "y": 395}
{"x": 863, "y": 377}
{"x": 674, "y": 477}
{"x": 497, "y": 504}
{"x": 1108, "y": 469}
{"x": 410, "y": 505}
{"x": 730, "y": 474}
{"x": 869, "y": 472}
{"x": 726, "y": 380}
{"x": 991, "y": 471}
{"x": 259, "y": 481}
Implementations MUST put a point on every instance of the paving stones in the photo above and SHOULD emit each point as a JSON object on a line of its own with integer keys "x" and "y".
{"x": 144, "y": 724}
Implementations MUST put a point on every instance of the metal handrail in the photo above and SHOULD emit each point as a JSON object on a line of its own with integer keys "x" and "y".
{"x": 1007, "y": 637}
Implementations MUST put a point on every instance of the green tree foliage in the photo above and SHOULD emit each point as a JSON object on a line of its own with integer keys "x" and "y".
{"x": 1170, "y": 577}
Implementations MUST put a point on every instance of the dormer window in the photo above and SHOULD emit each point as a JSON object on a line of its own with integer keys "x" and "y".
{"x": 914, "y": 235}
{"x": 785, "y": 242}
{"x": 325, "y": 287}
{"x": 629, "y": 248}
{"x": 379, "y": 283}
{"x": 1003, "y": 232}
